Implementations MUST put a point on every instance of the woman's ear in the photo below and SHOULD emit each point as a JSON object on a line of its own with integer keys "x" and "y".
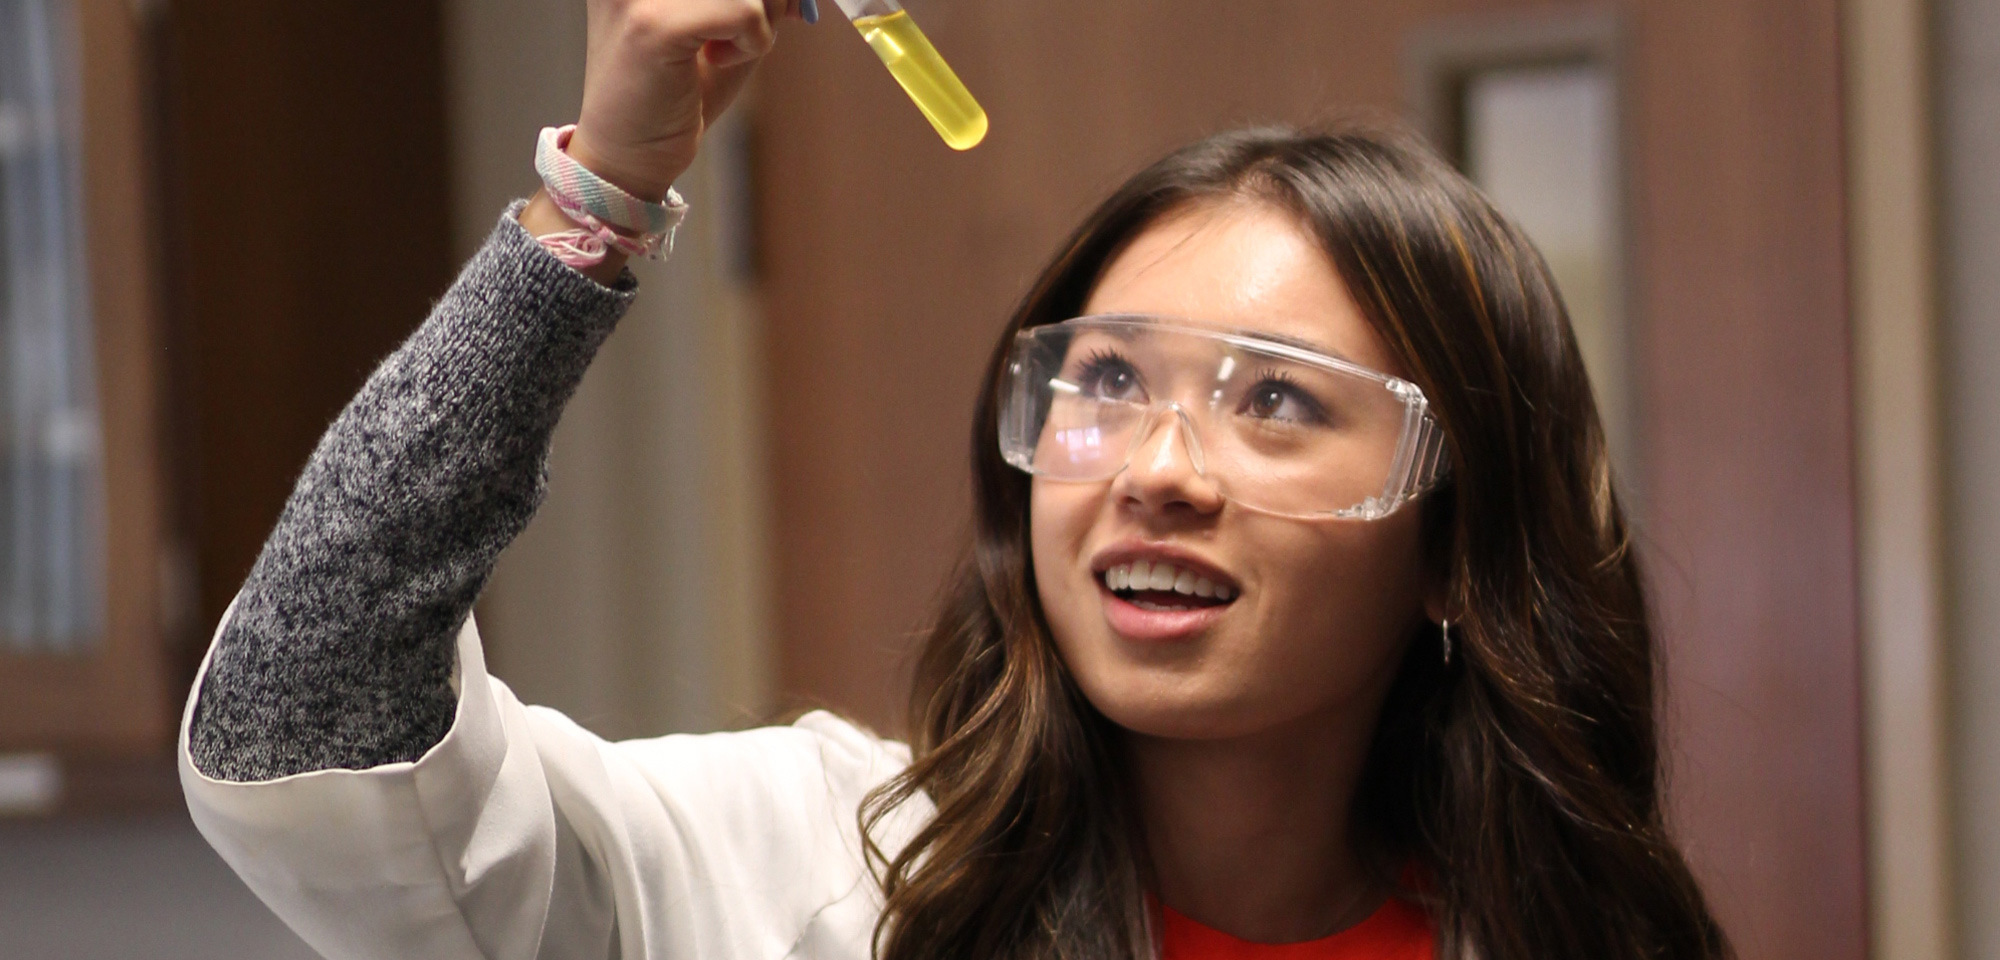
{"x": 1442, "y": 562}
{"x": 1437, "y": 606}
{"x": 1439, "y": 603}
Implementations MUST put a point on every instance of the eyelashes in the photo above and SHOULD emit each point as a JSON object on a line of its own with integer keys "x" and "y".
{"x": 1274, "y": 396}
{"x": 1100, "y": 368}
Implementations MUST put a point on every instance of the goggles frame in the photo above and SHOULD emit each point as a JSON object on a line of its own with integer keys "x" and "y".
{"x": 1418, "y": 465}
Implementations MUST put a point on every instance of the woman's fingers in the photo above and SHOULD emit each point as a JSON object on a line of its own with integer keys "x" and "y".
{"x": 720, "y": 85}
{"x": 725, "y": 68}
{"x": 659, "y": 72}
{"x": 675, "y": 31}
{"x": 739, "y": 48}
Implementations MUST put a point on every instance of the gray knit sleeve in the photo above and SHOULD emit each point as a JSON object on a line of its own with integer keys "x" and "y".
{"x": 340, "y": 650}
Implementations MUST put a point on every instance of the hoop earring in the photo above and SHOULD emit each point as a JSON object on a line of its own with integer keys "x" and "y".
{"x": 1444, "y": 630}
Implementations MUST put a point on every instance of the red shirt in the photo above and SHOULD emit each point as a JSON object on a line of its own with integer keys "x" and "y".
{"x": 1396, "y": 931}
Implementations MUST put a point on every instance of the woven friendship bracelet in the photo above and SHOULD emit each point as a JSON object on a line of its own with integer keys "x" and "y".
{"x": 622, "y": 221}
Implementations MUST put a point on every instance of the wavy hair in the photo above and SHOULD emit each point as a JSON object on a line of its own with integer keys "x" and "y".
{"x": 1521, "y": 785}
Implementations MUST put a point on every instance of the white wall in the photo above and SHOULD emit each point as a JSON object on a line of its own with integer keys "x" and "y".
{"x": 1968, "y": 75}
{"x": 634, "y": 602}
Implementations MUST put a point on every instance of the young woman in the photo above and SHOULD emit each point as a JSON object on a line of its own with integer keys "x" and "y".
{"x": 1300, "y": 618}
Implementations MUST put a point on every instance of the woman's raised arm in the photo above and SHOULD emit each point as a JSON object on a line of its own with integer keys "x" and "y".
{"x": 338, "y": 650}
{"x": 345, "y": 751}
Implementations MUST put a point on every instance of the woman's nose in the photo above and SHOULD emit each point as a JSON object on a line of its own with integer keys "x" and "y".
{"x": 1166, "y": 465}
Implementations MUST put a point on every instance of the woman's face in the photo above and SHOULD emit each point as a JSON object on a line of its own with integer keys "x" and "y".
{"x": 1319, "y": 610}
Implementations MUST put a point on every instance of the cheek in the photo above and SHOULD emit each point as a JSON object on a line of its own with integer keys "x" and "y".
{"x": 1354, "y": 599}
{"x": 1060, "y": 516}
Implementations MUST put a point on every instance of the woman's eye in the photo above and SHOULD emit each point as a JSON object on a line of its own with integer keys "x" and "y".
{"x": 1112, "y": 380}
{"x": 1117, "y": 383}
{"x": 1277, "y": 400}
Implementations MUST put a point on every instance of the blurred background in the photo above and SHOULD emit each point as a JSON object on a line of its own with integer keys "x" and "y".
{"x": 1776, "y": 222}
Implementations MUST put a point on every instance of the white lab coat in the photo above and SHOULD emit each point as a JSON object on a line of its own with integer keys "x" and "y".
{"x": 522, "y": 835}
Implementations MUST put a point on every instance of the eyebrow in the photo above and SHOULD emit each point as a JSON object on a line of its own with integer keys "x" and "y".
{"x": 1283, "y": 339}
{"x": 1299, "y": 342}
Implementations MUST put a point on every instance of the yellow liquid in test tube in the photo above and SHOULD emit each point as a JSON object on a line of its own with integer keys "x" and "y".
{"x": 925, "y": 77}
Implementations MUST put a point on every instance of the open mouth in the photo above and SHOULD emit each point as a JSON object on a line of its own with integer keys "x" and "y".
{"x": 1159, "y": 585}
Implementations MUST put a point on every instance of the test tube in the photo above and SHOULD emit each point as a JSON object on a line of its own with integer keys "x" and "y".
{"x": 916, "y": 65}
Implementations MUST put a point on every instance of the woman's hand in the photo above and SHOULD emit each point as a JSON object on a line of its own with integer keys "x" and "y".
{"x": 658, "y": 73}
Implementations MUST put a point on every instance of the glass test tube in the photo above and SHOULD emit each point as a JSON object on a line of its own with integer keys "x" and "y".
{"x": 915, "y": 64}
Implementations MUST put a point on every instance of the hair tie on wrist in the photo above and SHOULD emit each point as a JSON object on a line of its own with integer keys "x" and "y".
{"x": 578, "y": 248}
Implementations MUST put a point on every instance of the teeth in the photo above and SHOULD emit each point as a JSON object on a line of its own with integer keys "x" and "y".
{"x": 1150, "y": 575}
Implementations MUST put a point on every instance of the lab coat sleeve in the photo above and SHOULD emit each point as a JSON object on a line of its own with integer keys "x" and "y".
{"x": 522, "y": 835}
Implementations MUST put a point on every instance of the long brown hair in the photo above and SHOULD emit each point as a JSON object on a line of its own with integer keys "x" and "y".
{"x": 1520, "y": 785}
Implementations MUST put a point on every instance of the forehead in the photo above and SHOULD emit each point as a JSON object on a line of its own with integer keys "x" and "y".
{"x": 1239, "y": 265}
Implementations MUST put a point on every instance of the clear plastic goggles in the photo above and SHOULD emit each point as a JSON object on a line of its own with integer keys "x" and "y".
{"x": 1276, "y": 428}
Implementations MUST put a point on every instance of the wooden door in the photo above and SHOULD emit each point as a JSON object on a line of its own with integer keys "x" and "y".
{"x": 308, "y": 233}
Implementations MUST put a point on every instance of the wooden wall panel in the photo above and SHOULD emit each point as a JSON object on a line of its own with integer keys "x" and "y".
{"x": 890, "y": 264}
{"x": 1742, "y": 279}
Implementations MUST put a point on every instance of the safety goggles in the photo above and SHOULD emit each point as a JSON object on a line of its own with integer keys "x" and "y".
{"x": 1277, "y": 428}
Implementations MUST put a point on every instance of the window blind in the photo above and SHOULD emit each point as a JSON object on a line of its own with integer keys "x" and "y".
{"x": 51, "y": 449}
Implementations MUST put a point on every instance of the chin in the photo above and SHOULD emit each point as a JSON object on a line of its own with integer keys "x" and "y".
{"x": 1171, "y": 708}
{"x": 1183, "y": 727}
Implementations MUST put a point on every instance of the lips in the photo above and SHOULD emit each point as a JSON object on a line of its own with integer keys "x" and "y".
{"x": 1153, "y": 597}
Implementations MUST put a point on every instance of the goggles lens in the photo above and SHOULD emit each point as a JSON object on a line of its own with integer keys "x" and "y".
{"x": 1277, "y": 428}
